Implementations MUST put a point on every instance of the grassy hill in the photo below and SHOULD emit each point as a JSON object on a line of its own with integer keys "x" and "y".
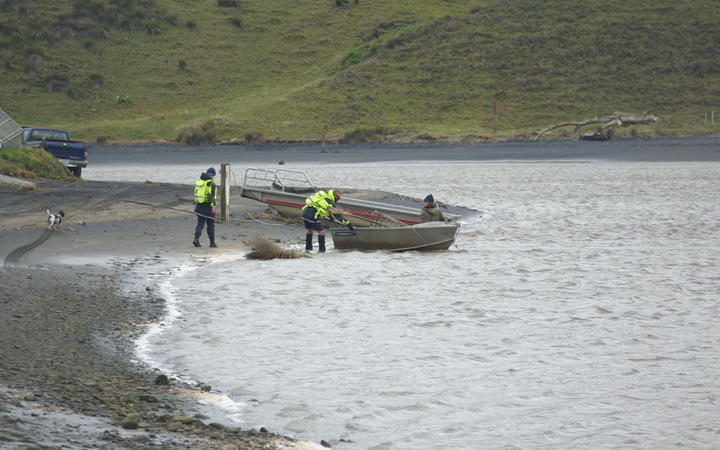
{"x": 288, "y": 69}
{"x": 32, "y": 163}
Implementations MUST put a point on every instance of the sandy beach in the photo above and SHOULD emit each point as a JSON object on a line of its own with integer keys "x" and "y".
{"x": 68, "y": 376}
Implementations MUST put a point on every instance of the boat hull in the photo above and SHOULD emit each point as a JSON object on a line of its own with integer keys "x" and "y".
{"x": 425, "y": 236}
{"x": 363, "y": 213}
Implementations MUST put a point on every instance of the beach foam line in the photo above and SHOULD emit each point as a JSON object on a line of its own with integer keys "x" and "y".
{"x": 143, "y": 344}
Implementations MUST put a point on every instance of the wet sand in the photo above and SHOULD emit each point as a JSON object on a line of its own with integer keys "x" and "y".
{"x": 68, "y": 325}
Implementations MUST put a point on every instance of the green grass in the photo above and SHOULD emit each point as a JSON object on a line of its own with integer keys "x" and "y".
{"x": 542, "y": 63}
{"x": 302, "y": 70}
{"x": 30, "y": 163}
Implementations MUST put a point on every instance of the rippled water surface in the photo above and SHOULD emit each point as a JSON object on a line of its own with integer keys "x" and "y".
{"x": 578, "y": 310}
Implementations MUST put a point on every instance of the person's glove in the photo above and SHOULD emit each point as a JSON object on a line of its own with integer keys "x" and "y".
{"x": 345, "y": 222}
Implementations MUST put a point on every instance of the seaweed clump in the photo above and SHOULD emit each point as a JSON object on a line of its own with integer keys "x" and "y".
{"x": 265, "y": 250}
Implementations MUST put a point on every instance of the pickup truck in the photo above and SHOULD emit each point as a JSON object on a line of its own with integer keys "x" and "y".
{"x": 71, "y": 154}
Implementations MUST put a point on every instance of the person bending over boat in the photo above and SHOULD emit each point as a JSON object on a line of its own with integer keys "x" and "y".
{"x": 205, "y": 198}
{"x": 318, "y": 207}
{"x": 430, "y": 211}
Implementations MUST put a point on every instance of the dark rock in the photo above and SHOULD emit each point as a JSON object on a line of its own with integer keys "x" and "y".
{"x": 162, "y": 380}
{"x": 186, "y": 420}
{"x": 325, "y": 444}
{"x": 108, "y": 435}
{"x": 130, "y": 423}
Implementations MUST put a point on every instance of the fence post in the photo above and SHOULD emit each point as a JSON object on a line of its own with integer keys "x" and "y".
{"x": 494, "y": 116}
{"x": 225, "y": 194}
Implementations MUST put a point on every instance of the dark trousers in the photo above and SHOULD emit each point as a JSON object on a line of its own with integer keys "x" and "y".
{"x": 205, "y": 210}
{"x": 311, "y": 223}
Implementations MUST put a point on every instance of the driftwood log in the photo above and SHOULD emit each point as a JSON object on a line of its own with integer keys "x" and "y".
{"x": 608, "y": 121}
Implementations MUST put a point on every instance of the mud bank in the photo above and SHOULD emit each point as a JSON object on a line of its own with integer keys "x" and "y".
{"x": 68, "y": 373}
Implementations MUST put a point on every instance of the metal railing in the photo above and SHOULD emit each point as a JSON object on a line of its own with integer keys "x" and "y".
{"x": 281, "y": 179}
{"x": 10, "y": 131}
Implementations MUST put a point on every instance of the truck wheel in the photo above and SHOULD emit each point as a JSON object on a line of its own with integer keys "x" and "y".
{"x": 77, "y": 171}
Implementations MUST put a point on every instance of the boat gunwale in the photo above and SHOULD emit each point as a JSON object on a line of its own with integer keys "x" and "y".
{"x": 348, "y": 201}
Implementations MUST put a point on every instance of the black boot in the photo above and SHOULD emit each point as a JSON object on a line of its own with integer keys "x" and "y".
{"x": 321, "y": 243}
{"x": 308, "y": 242}
{"x": 196, "y": 241}
{"x": 211, "y": 233}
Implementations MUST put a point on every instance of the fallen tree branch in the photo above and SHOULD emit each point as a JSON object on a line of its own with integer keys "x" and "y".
{"x": 608, "y": 121}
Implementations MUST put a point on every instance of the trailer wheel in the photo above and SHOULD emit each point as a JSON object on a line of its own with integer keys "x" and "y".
{"x": 77, "y": 171}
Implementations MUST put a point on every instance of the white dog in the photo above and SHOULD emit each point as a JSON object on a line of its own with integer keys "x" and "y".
{"x": 54, "y": 219}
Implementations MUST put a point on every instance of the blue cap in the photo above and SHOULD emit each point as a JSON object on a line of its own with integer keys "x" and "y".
{"x": 211, "y": 171}
{"x": 430, "y": 199}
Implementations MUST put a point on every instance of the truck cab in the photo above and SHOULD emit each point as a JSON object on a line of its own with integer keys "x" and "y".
{"x": 71, "y": 154}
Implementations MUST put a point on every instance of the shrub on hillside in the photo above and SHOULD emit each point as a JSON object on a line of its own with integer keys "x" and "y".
{"x": 88, "y": 16}
{"x": 228, "y": 3}
{"x": 360, "y": 135}
{"x": 254, "y": 137}
{"x": 153, "y": 29}
{"x": 9, "y": 30}
{"x": 96, "y": 80}
{"x": 56, "y": 83}
{"x": 10, "y": 5}
{"x": 204, "y": 132}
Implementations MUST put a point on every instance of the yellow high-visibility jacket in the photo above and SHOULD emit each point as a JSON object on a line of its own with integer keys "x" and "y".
{"x": 205, "y": 191}
{"x": 322, "y": 202}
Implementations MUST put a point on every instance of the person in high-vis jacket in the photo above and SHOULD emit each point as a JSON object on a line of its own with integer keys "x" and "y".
{"x": 205, "y": 198}
{"x": 318, "y": 207}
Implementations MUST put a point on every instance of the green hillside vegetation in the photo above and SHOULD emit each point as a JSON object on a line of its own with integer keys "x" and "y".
{"x": 30, "y": 163}
{"x": 208, "y": 70}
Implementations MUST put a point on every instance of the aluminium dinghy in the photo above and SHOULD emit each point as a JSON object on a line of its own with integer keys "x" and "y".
{"x": 422, "y": 236}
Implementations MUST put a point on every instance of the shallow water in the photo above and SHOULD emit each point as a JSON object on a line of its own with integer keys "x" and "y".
{"x": 579, "y": 310}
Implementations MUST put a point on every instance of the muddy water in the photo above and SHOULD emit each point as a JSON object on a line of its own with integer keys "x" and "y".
{"x": 580, "y": 310}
